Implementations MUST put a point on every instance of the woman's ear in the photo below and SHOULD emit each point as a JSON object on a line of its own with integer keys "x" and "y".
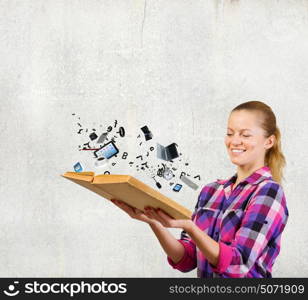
{"x": 270, "y": 141}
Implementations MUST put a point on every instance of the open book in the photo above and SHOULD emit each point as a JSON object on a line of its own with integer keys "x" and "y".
{"x": 129, "y": 190}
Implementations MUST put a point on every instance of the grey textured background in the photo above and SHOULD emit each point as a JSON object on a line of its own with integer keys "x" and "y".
{"x": 177, "y": 66}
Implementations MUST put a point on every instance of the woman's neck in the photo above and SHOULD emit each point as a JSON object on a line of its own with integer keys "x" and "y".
{"x": 245, "y": 171}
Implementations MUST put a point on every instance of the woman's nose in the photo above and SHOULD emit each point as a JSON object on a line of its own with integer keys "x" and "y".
{"x": 236, "y": 140}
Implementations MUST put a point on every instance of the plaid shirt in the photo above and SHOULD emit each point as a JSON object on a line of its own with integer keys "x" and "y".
{"x": 247, "y": 222}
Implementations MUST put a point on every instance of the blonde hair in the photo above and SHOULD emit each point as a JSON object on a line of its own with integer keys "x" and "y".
{"x": 274, "y": 157}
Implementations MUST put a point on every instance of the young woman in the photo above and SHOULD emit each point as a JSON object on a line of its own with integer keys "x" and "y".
{"x": 236, "y": 227}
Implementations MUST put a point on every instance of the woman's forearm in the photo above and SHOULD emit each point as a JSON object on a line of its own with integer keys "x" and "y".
{"x": 172, "y": 247}
{"x": 208, "y": 246}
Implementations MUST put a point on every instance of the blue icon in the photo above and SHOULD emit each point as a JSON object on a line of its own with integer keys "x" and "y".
{"x": 78, "y": 167}
{"x": 107, "y": 151}
{"x": 177, "y": 187}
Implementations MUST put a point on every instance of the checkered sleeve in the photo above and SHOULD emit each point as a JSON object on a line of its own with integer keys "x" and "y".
{"x": 262, "y": 225}
{"x": 189, "y": 260}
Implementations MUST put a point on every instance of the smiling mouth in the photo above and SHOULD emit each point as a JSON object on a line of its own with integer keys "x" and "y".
{"x": 238, "y": 150}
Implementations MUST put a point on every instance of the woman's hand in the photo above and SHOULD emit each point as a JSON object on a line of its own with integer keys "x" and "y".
{"x": 165, "y": 220}
{"x": 134, "y": 212}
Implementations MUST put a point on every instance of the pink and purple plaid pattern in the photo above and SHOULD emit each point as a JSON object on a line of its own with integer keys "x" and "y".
{"x": 247, "y": 222}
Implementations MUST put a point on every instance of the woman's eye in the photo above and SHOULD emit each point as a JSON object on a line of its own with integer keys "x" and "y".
{"x": 246, "y": 136}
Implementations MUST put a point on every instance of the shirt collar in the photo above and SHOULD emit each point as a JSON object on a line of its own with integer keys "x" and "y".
{"x": 255, "y": 178}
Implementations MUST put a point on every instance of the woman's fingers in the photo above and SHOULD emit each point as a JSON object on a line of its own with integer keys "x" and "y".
{"x": 131, "y": 211}
{"x": 171, "y": 221}
{"x": 128, "y": 209}
{"x": 140, "y": 215}
{"x": 151, "y": 212}
{"x": 164, "y": 215}
{"x": 164, "y": 218}
{"x": 150, "y": 215}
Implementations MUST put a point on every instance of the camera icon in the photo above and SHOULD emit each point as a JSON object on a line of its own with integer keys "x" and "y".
{"x": 12, "y": 291}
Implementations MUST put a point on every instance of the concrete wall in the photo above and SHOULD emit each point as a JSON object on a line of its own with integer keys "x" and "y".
{"x": 178, "y": 67}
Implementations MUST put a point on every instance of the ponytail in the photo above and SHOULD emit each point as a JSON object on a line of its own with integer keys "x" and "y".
{"x": 275, "y": 159}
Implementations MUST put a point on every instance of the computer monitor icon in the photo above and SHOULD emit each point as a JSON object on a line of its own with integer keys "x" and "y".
{"x": 107, "y": 151}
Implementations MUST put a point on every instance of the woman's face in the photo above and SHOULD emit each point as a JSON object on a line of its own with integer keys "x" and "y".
{"x": 245, "y": 139}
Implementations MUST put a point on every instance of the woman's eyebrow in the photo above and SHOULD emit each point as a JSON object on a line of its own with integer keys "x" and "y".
{"x": 240, "y": 129}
